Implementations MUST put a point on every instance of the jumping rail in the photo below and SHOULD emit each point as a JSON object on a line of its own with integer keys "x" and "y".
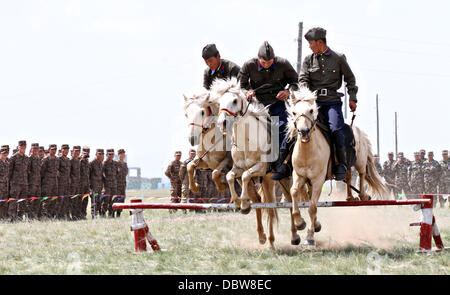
{"x": 428, "y": 225}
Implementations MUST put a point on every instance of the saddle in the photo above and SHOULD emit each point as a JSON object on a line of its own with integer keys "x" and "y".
{"x": 349, "y": 144}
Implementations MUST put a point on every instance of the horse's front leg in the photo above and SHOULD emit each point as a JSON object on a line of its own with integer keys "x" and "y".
{"x": 258, "y": 169}
{"x": 312, "y": 211}
{"x": 297, "y": 185}
{"x": 217, "y": 173}
{"x": 285, "y": 184}
{"x": 191, "y": 167}
{"x": 235, "y": 172}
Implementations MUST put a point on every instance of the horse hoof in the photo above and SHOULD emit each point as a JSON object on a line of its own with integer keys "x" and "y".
{"x": 309, "y": 243}
{"x": 318, "y": 228}
{"x": 263, "y": 240}
{"x": 301, "y": 226}
{"x": 295, "y": 241}
{"x": 246, "y": 210}
{"x": 195, "y": 189}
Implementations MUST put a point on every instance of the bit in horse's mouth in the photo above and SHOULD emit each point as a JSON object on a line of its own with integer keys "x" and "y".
{"x": 305, "y": 139}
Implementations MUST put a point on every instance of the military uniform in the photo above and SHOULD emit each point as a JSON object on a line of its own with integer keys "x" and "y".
{"x": 4, "y": 186}
{"x": 323, "y": 73}
{"x": 34, "y": 185}
{"x": 432, "y": 175}
{"x": 122, "y": 172}
{"x": 63, "y": 185}
{"x": 266, "y": 84}
{"x": 378, "y": 167}
{"x": 96, "y": 184}
{"x": 19, "y": 166}
{"x": 184, "y": 177}
{"x": 173, "y": 172}
{"x": 110, "y": 183}
{"x": 444, "y": 182}
{"x": 389, "y": 174}
{"x": 416, "y": 178}
{"x": 49, "y": 181}
{"x": 75, "y": 186}
{"x": 400, "y": 170}
{"x": 84, "y": 182}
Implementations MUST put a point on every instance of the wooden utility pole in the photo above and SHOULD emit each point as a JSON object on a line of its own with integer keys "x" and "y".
{"x": 396, "y": 151}
{"x": 299, "y": 49}
{"x": 378, "y": 129}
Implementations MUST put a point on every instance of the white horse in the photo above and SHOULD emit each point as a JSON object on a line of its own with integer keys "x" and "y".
{"x": 250, "y": 124}
{"x": 211, "y": 143}
{"x": 311, "y": 159}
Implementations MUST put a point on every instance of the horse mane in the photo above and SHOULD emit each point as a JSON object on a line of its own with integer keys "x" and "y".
{"x": 199, "y": 96}
{"x": 299, "y": 102}
{"x": 220, "y": 87}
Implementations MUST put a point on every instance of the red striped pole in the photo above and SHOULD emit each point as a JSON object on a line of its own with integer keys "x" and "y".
{"x": 138, "y": 225}
{"x": 286, "y": 205}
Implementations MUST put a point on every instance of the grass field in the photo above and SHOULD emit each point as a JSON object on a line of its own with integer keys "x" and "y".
{"x": 376, "y": 240}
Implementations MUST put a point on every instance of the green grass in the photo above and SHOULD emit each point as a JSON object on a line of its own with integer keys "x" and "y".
{"x": 352, "y": 241}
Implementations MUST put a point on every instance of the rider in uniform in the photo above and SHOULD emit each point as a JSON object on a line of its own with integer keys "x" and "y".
{"x": 218, "y": 68}
{"x": 322, "y": 71}
{"x": 270, "y": 78}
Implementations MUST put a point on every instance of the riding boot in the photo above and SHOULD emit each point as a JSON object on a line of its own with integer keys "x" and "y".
{"x": 341, "y": 167}
{"x": 282, "y": 170}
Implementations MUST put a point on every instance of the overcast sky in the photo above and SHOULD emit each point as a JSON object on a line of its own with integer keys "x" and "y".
{"x": 110, "y": 74}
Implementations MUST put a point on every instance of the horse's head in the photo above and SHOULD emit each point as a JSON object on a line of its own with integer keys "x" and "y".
{"x": 302, "y": 113}
{"x": 231, "y": 100}
{"x": 200, "y": 113}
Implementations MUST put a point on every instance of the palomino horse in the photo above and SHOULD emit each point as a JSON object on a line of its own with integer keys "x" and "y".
{"x": 250, "y": 124}
{"x": 311, "y": 159}
{"x": 210, "y": 141}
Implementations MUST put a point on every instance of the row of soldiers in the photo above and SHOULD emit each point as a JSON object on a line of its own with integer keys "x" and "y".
{"x": 47, "y": 185}
{"x": 416, "y": 177}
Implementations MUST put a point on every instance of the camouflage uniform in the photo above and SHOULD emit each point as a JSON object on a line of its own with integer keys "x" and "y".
{"x": 110, "y": 182}
{"x": 84, "y": 183}
{"x": 63, "y": 186}
{"x": 444, "y": 182}
{"x": 96, "y": 184}
{"x": 49, "y": 174}
{"x": 400, "y": 170}
{"x": 4, "y": 188}
{"x": 184, "y": 177}
{"x": 416, "y": 178}
{"x": 173, "y": 172}
{"x": 34, "y": 187}
{"x": 432, "y": 175}
{"x": 19, "y": 166}
{"x": 75, "y": 187}
{"x": 389, "y": 174}
{"x": 122, "y": 172}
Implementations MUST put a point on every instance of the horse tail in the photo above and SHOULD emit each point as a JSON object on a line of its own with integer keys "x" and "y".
{"x": 373, "y": 178}
{"x": 268, "y": 197}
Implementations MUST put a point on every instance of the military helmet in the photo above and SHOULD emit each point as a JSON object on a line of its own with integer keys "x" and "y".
{"x": 100, "y": 151}
{"x": 121, "y": 151}
{"x": 110, "y": 151}
{"x": 22, "y": 142}
{"x": 52, "y": 147}
{"x": 34, "y": 145}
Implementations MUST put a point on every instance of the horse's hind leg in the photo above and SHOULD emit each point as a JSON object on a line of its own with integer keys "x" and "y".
{"x": 348, "y": 180}
{"x": 234, "y": 173}
{"x": 362, "y": 194}
{"x": 268, "y": 188}
{"x": 284, "y": 184}
{"x": 259, "y": 226}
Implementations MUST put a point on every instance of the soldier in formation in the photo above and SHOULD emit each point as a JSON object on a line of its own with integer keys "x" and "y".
{"x": 400, "y": 171}
{"x": 173, "y": 173}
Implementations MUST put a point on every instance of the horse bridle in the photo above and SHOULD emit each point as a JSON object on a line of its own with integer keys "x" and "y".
{"x": 308, "y": 132}
{"x": 240, "y": 113}
{"x": 205, "y": 127}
